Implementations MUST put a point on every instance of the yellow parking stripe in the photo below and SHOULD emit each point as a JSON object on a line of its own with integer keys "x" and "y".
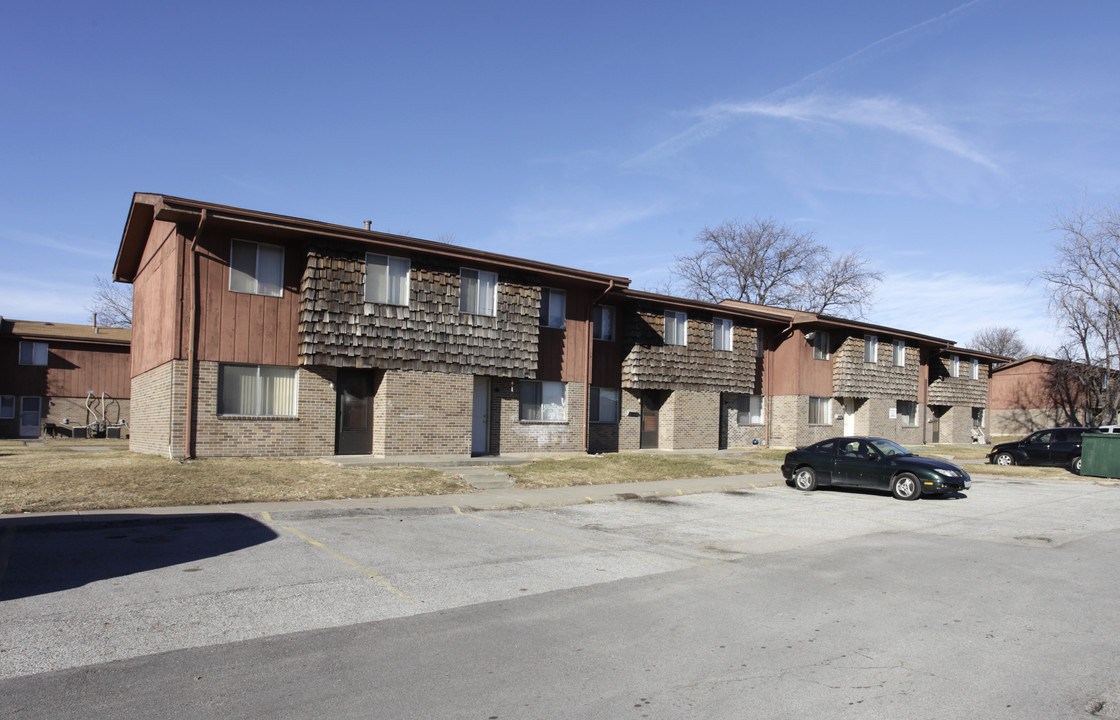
{"x": 555, "y": 537}
{"x": 373, "y": 574}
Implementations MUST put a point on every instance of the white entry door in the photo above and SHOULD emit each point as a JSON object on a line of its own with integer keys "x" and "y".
{"x": 30, "y": 412}
{"x": 480, "y": 420}
{"x": 849, "y": 416}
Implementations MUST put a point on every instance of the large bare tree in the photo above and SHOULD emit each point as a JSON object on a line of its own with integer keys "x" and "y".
{"x": 111, "y": 302}
{"x": 1084, "y": 287}
{"x": 767, "y": 263}
{"x": 1004, "y": 341}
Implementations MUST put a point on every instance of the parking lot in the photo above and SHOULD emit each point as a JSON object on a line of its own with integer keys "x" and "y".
{"x": 118, "y": 588}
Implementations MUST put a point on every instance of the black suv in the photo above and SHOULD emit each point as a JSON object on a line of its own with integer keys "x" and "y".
{"x": 1056, "y": 446}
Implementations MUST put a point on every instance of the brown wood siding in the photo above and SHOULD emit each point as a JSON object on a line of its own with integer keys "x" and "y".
{"x": 795, "y": 372}
{"x": 1022, "y": 386}
{"x": 562, "y": 354}
{"x": 338, "y": 328}
{"x": 75, "y": 369}
{"x": 242, "y": 327}
{"x": 156, "y": 300}
{"x": 16, "y": 379}
{"x": 648, "y": 363}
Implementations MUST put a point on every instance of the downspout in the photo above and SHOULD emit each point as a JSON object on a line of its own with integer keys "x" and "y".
{"x": 192, "y": 350}
{"x": 587, "y": 368}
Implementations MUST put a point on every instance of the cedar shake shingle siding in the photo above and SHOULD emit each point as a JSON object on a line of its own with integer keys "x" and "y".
{"x": 338, "y": 328}
{"x": 854, "y": 378}
{"x": 962, "y": 390}
{"x": 648, "y": 363}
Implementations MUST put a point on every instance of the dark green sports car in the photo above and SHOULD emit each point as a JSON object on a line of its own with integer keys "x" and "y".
{"x": 874, "y": 463}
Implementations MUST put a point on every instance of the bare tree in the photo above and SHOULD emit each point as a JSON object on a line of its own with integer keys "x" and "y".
{"x": 1000, "y": 341}
{"x": 1084, "y": 288}
{"x": 112, "y": 302}
{"x": 766, "y": 263}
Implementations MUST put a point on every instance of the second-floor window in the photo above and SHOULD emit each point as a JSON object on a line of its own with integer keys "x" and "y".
{"x": 955, "y": 366}
{"x": 974, "y": 369}
{"x": 676, "y": 328}
{"x": 820, "y": 345}
{"x": 387, "y": 279}
{"x": 603, "y": 322}
{"x": 721, "y": 334}
{"x": 870, "y": 348}
{"x": 32, "y": 353}
{"x": 478, "y": 292}
{"x": 552, "y": 308}
{"x": 899, "y": 353}
{"x": 256, "y": 268}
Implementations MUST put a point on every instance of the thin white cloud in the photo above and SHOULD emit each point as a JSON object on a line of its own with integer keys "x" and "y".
{"x": 579, "y": 222}
{"x": 715, "y": 119}
{"x": 20, "y": 237}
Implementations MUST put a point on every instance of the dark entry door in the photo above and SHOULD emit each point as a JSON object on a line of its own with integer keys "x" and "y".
{"x": 651, "y": 405}
{"x": 355, "y": 412}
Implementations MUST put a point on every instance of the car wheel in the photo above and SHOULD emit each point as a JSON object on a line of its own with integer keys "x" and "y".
{"x": 1004, "y": 459}
{"x": 1075, "y": 465}
{"x": 906, "y": 487}
{"x": 804, "y": 478}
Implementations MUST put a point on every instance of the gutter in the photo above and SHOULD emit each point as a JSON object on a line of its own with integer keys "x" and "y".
{"x": 192, "y": 343}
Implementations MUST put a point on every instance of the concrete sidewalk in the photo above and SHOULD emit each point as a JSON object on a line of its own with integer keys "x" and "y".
{"x": 498, "y": 498}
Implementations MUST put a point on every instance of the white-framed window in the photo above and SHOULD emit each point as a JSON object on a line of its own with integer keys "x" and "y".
{"x": 387, "y": 279}
{"x": 899, "y": 355}
{"x": 256, "y": 268}
{"x": 544, "y": 401}
{"x": 820, "y": 411}
{"x": 553, "y": 303}
{"x": 871, "y": 348}
{"x": 750, "y": 410}
{"x": 974, "y": 369}
{"x": 722, "y": 331}
{"x": 603, "y": 322}
{"x": 604, "y": 405}
{"x": 821, "y": 345}
{"x": 7, "y": 407}
{"x": 759, "y": 342}
{"x": 954, "y": 366}
{"x": 676, "y": 328}
{"x": 32, "y": 353}
{"x": 478, "y": 292}
{"x": 907, "y": 412}
{"x": 256, "y": 390}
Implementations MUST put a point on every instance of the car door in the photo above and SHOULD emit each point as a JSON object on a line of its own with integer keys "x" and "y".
{"x": 857, "y": 463}
{"x": 1037, "y": 448}
{"x": 1064, "y": 446}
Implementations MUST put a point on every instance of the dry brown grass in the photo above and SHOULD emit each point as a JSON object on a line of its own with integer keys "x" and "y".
{"x": 629, "y": 467}
{"x": 53, "y": 477}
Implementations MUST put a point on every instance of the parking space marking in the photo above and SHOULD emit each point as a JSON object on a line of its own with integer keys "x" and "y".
{"x": 378, "y": 577}
{"x": 550, "y": 535}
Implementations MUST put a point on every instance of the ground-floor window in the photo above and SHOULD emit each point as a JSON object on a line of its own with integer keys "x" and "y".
{"x": 978, "y": 417}
{"x": 750, "y": 410}
{"x": 604, "y": 405}
{"x": 544, "y": 401}
{"x": 257, "y": 390}
{"x": 820, "y": 411}
{"x": 907, "y": 412}
{"x": 7, "y": 407}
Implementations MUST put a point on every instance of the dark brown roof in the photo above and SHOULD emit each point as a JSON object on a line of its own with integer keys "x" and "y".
{"x": 31, "y": 330}
{"x": 797, "y": 318}
{"x": 147, "y": 208}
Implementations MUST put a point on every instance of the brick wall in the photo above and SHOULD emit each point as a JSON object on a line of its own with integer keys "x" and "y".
{"x": 515, "y": 436}
{"x": 310, "y": 432}
{"x": 73, "y": 411}
{"x": 153, "y": 428}
{"x": 689, "y": 420}
{"x": 736, "y": 436}
{"x": 630, "y": 422}
{"x": 424, "y": 413}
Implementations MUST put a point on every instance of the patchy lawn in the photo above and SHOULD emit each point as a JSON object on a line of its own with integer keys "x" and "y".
{"x": 630, "y": 467}
{"x": 69, "y": 475}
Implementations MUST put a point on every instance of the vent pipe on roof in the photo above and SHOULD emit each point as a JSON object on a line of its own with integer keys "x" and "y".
{"x": 95, "y": 330}
{"x": 369, "y": 224}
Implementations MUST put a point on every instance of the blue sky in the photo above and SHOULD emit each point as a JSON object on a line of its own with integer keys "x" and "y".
{"x": 939, "y": 138}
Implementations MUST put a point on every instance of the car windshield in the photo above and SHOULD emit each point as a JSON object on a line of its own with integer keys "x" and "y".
{"x": 888, "y": 448}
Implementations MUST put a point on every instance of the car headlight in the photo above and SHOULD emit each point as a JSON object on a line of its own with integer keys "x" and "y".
{"x": 947, "y": 473}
